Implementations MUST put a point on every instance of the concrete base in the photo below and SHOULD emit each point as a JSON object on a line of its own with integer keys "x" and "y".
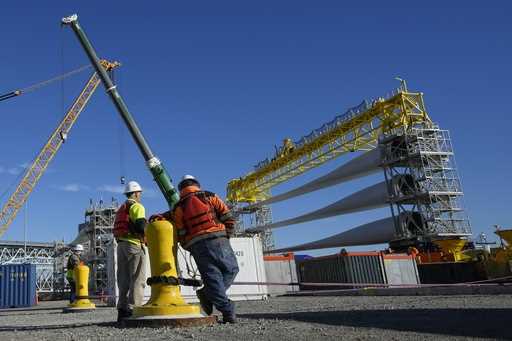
{"x": 177, "y": 321}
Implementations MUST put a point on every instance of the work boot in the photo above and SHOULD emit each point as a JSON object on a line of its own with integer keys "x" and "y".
{"x": 123, "y": 313}
{"x": 229, "y": 318}
{"x": 205, "y": 303}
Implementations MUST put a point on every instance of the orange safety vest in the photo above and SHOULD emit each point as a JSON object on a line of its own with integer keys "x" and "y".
{"x": 122, "y": 221}
{"x": 199, "y": 216}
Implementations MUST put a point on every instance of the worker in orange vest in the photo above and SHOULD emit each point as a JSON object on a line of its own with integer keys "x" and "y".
{"x": 204, "y": 225}
{"x": 128, "y": 230}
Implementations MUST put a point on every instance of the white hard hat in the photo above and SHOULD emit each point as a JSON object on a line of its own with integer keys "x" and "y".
{"x": 78, "y": 247}
{"x": 188, "y": 177}
{"x": 132, "y": 186}
{"x": 186, "y": 180}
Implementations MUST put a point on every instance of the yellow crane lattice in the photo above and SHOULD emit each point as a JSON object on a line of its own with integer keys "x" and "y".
{"x": 352, "y": 132}
{"x": 41, "y": 162}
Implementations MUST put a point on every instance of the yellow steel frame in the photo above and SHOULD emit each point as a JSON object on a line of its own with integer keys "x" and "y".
{"x": 358, "y": 133}
{"x": 41, "y": 162}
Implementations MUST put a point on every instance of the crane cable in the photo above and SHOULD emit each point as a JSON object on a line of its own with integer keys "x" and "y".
{"x": 62, "y": 67}
{"x": 115, "y": 76}
{"x": 43, "y": 83}
{"x": 49, "y": 81}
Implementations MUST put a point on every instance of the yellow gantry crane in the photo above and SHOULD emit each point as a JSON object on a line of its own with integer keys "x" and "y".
{"x": 356, "y": 130}
{"x": 441, "y": 222}
{"x": 41, "y": 162}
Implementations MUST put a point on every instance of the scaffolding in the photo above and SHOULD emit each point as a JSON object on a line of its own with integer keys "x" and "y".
{"x": 432, "y": 203}
{"x": 263, "y": 217}
{"x": 97, "y": 231}
{"x": 257, "y": 217}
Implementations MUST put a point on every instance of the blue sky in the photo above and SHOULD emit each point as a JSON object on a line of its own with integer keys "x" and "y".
{"x": 215, "y": 85}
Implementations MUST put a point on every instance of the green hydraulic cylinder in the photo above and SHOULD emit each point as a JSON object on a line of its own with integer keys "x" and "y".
{"x": 155, "y": 166}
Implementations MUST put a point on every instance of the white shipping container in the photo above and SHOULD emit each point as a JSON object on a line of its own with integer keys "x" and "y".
{"x": 281, "y": 271}
{"x": 248, "y": 253}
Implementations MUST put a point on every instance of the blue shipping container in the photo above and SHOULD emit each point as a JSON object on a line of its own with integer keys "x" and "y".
{"x": 17, "y": 285}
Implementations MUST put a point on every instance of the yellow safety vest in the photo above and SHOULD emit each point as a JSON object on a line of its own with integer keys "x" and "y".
{"x": 137, "y": 211}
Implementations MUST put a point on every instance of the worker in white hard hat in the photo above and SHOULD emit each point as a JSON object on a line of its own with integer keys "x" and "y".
{"x": 73, "y": 261}
{"x": 204, "y": 225}
{"x": 129, "y": 227}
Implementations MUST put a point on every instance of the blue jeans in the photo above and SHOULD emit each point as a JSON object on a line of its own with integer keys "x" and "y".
{"x": 72, "y": 291}
{"x": 217, "y": 264}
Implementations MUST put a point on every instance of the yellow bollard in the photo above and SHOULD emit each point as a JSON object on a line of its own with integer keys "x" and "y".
{"x": 166, "y": 299}
{"x": 82, "y": 303}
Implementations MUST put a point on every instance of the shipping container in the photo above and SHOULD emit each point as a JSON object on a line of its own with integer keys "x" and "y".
{"x": 248, "y": 252}
{"x": 17, "y": 285}
{"x": 300, "y": 258}
{"x": 358, "y": 268}
{"x": 281, "y": 269}
{"x": 451, "y": 272}
{"x": 400, "y": 269}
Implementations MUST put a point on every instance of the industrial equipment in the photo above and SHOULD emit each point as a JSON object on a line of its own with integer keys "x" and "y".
{"x": 17, "y": 285}
{"x": 356, "y": 130}
{"x": 498, "y": 262}
{"x": 43, "y": 255}
{"x": 504, "y": 254}
{"x": 375, "y": 196}
{"x": 165, "y": 299}
{"x": 363, "y": 165}
{"x": 358, "y": 269}
{"x": 155, "y": 166}
{"x": 377, "y": 232}
{"x": 167, "y": 306}
{"x": 82, "y": 302}
{"x": 421, "y": 184}
{"x": 41, "y": 162}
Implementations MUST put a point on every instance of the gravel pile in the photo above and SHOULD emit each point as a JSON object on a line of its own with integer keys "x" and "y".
{"x": 289, "y": 318}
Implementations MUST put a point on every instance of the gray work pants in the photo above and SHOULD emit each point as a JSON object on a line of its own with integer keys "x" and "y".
{"x": 131, "y": 276}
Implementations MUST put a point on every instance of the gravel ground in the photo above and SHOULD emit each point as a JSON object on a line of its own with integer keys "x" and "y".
{"x": 289, "y": 318}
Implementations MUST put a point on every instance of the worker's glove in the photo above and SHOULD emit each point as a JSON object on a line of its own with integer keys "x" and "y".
{"x": 156, "y": 217}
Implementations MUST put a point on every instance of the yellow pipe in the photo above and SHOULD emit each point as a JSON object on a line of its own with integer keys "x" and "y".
{"x": 81, "y": 273}
{"x": 165, "y": 299}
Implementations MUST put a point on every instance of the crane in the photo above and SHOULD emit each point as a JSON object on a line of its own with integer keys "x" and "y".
{"x": 357, "y": 130}
{"x": 411, "y": 145}
{"x": 43, "y": 159}
{"x": 156, "y": 167}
